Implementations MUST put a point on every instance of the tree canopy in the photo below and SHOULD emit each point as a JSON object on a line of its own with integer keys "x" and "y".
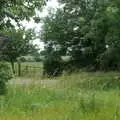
{"x": 17, "y": 42}
{"x": 85, "y": 29}
{"x": 18, "y": 10}
{"x": 20, "y": 44}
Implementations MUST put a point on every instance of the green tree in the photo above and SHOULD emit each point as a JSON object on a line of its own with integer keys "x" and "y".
{"x": 52, "y": 62}
{"x": 83, "y": 29}
{"x": 18, "y": 10}
{"x": 67, "y": 29}
{"x": 19, "y": 45}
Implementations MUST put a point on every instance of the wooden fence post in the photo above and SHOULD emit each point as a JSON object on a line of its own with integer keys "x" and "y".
{"x": 19, "y": 68}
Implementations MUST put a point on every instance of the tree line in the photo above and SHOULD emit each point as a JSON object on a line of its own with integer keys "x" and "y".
{"x": 86, "y": 30}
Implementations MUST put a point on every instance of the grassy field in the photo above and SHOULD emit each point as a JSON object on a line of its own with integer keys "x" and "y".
{"x": 80, "y": 96}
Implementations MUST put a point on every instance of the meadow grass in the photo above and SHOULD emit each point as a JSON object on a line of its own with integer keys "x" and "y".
{"x": 80, "y": 96}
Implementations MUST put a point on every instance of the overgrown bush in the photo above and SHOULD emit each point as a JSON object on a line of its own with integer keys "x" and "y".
{"x": 5, "y": 75}
{"x": 110, "y": 59}
{"x": 52, "y": 66}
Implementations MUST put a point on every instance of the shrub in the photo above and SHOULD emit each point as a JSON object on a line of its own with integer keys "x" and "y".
{"x": 110, "y": 59}
{"x": 5, "y": 75}
{"x": 52, "y": 66}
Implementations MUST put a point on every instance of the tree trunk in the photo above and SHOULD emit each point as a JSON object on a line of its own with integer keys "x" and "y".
{"x": 19, "y": 68}
{"x": 13, "y": 67}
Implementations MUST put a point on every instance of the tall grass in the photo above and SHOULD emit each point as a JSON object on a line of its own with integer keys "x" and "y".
{"x": 89, "y": 80}
{"x": 80, "y": 96}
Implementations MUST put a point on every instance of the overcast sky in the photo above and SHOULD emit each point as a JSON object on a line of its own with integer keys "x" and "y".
{"x": 32, "y": 24}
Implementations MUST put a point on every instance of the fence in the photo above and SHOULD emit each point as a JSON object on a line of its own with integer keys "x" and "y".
{"x": 24, "y": 69}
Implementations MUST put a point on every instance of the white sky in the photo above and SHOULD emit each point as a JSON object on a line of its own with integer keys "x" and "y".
{"x": 32, "y": 24}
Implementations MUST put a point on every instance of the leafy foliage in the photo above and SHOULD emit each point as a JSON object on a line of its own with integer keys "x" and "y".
{"x": 18, "y": 10}
{"x": 85, "y": 29}
{"x": 52, "y": 64}
{"x": 5, "y": 75}
{"x": 110, "y": 59}
{"x": 20, "y": 44}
